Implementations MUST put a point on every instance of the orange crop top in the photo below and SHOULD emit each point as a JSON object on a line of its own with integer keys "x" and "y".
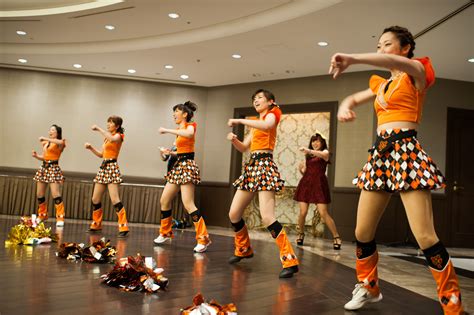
{"x": 265, "y": 140}
{"x": 183, "y": 144}
{"x": 402, "y": 101}
{"x": 111, "y": 150}
{"x": 52, "y": 152}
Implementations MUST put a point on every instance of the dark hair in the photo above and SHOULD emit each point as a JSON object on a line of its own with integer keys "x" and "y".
{"x": 317, "y": 136}
{"x": 188, "y": 108}
{"x": 268, "y": 95}
{"x": 59, "y": 131}
{"x": 404, "y": 37}
{"x": 118, "y": 121}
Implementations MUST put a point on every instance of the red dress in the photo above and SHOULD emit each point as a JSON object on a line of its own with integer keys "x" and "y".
{"x": 313, "y": 186}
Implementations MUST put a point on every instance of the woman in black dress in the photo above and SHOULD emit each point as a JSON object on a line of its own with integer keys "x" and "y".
{"x": 314, "y": 188}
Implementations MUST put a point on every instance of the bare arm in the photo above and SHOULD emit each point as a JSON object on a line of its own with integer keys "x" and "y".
{"x": 98, "y": 153}
{"x": 340, "y": 62}
{"x": 345, "y": 112}
{"x": 59, "y": 142}
{"x": 268, "y": 123}
{"x": 320, "y": 154}
{"x": 187, "y": 133}
{"x": 241, "y": 146}
{"x": 302, "y": 167}
{"x": 107, "y": 135}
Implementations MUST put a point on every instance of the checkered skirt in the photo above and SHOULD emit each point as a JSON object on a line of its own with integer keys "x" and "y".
{"x": 260, "y": 175}
{"x": 405, "y": 167}
{"x": 109, "y": 174}
{"x": 183, "y": 172}
{"x": 49, "y": 174}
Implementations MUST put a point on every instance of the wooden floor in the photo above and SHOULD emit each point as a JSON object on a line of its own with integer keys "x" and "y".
{"x": 35, "y": 281}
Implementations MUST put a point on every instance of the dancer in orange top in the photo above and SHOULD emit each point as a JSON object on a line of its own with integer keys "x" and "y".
{"x": 397, "y": 163}
{"x": 109, "y": 175}
{"x": 184, "y": 175}
{"x": 50, "y": 173}
{"x": 260, "y": 176}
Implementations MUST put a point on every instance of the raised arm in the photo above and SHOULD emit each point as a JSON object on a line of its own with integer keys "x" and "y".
{"x": 414, "y": 68}
{"x": 268, "y": 123}
{"x": 59, "y": 142}
{"x": 107, "y": 135}
{"x": 320, "y": 154}
{"x": 37, "y": 156}
{"x": 187, "y": 133}
{"x": 241, "y": 146}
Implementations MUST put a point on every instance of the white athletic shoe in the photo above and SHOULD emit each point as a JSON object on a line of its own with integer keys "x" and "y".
{"x": 361, "y": 296}
{"x": 201, "y": 248}
{"x": 161, "y": 239}
{"x": 60, "y": 223}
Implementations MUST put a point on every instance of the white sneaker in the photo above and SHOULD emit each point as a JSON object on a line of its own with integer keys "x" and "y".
{"x": 60, "y": 223}
{"x": 361, "y": 296}
{"x": 201, "y": 248}
{"x": 161, "y": 239}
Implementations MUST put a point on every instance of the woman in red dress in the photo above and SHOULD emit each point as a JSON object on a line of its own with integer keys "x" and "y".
{"x": 314, "y": 188}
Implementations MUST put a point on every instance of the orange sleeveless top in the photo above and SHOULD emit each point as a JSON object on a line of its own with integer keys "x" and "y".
{"x": 111, "y": 150}
{"x": 183, "y": 144}
{"x": 401, "y": 101}
{"x": 266, "y": 139}
{"x": 52, "y": 152}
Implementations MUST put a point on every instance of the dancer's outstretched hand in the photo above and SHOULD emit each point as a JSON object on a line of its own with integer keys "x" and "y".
{"x": 339, "y": 63}
{"x": 345, "y": 114}
{"x": 231, "y": 136}
{"x": 95, "y": 128}
{"x": 162, "y": 130}
{"x": 87, "y": 145}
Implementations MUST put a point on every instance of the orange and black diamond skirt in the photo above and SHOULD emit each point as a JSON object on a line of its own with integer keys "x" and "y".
{"x": 109, "y": 173}
{"x": 183, "y": 172}
{"x": 49, "y": 173}
{"x": 405, "y": 167}
{"x": 260, "y": 174}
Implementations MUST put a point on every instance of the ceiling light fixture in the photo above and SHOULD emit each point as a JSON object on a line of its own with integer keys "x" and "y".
{"x": 236, "y": 56}
{"x": 22, "y": 60}
{"x": 22, "y": 33}
{"x": 169, "y": 67}
{"x": 132, "y": 70}
{"x": 323, "y": 44}
{"x": 77, "y": 66}
{"x": 471, "y": 60}
{"x": 173, "y": 15}
{"x": 110, "y": 27}
{"x": 184, "y": 76}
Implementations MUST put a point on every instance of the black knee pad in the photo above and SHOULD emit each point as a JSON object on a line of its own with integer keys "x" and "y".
{"x": 437, "y": 256}
{"x": 165, "y": 214}
{"x": 118, "y": 206}
{"x": 58, "y": 200}
{"x": 195, "y": 216}
{"x": 364, "y": 250}
{"x": 96, "y": 206}
{"x": 275, "y": 228}
{"x": 239, "y": 225}
{"x": 41, "y": 200}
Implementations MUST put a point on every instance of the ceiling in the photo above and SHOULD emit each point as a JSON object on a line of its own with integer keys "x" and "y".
{"x": 277, "y": 39}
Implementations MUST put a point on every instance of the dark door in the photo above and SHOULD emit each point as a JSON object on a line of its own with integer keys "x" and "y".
{"x": 460, "y": 175}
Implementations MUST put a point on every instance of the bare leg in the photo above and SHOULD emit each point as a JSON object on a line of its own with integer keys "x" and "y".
{"x": 323, "y": 211}
{"x": 242, "y": 199}
{"x": 169, "y": 192}
{"x": 98, "y": 192}
{"x": 267, "y": 206}
{"x": 370, "y": 209}
{"x": 55, "y": 189}
{"x": 302, "y": 216}
{"x": 40, "y": 189}
{"x": 187, "y": 196}
{"x": 114, "y": 193}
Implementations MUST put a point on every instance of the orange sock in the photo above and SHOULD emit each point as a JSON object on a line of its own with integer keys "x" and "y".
{"x": 242, "y": 243}
{"x": 96, "y": 219}
{"x": 165, "y": 227}
{"x": 287, "y": 255}
{"x": 122, "y": 220}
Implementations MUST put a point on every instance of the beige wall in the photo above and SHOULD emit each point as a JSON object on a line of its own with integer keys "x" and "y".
{"x": 31, "y": 101}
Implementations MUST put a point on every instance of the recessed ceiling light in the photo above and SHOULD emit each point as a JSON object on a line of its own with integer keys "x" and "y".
{"x": 169, "y": 67}
{"x": 110, "y": 27}
{"x": 22, "y": 60}
{"x": 22, "y": 33}
{"x": 236, "y": 56}
{"x": 77, "y": 66}
{"x": 132, "y": 70}
{"x": 173, "y": 15}
{"x": 471, "y": 60}
{"x": 184, "y": 76}
{"x": 323, "y": 44}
